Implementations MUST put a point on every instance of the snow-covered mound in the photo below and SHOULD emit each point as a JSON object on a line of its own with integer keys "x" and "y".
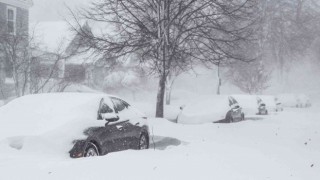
{"x": 294, "y": 100}
{"x": 48, "y": 122}
{"x": 270, "y": 102}
{"x": 248, "y": 103}
{"x": 205, "y": 109}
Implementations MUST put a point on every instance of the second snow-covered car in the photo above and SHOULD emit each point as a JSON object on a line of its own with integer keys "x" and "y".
{"x": 262, "y": 108}
{"x": 79, "y": 123}
{"x": 206, "y": 109}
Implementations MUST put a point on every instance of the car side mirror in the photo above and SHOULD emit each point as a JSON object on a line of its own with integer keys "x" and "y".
{"x": 110, "y": 117}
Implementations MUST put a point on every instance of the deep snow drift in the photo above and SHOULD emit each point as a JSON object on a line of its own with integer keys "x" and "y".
{"x": 280, "y": 146}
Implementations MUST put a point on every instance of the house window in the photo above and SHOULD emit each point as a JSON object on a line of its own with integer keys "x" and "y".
{"x": 11, "y": 20}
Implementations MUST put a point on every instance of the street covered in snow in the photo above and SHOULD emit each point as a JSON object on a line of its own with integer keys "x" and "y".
{"x": 283, "y": 145}
{"x": 160, "y": 89}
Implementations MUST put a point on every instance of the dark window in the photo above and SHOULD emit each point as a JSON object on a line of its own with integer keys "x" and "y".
{"x": 11, "y": 21}
{"x": 104, "y": 108}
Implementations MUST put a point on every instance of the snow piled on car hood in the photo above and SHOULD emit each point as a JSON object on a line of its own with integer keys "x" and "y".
{"x": 51, "y": 121}
{"x": 205, "y": 109}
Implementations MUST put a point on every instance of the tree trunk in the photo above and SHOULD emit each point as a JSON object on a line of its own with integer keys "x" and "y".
{"x": 219, "y": 81}
{"x": 16, "y": 81}
{"x": 168, "y": 95}
{"x": 160, "y": 96}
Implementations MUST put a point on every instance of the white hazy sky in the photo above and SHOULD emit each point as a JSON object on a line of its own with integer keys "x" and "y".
{"x": 52, "y": 10}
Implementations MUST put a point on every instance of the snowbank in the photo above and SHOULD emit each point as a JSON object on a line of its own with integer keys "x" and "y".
{"x": 204, "y": 109}
{"x": 279, "y": 147}
{"x": 48, "y": 122}
{"x": 294, "y": 100}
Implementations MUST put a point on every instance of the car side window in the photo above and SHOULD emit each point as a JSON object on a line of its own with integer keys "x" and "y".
{"x": 119, "y": 104}
{"x": 104, "y": 108}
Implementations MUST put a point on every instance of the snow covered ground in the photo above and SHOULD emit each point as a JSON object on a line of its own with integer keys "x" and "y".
{"x": 279, "y": 146}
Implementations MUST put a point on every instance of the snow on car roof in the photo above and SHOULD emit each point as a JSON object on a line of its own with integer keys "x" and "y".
{"x": 37, "y": 114}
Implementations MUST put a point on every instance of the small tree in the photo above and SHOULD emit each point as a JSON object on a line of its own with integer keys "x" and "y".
{"x": 250, "y": 77}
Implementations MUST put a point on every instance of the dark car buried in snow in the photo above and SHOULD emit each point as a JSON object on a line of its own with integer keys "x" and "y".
{"x": 262, "y": 108}
{"x": 123, "y": 130}
{"x": 83, "y": 124}
{"x": 235, "y": 114}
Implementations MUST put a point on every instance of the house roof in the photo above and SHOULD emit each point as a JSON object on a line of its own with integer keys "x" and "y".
{"x": 57, "y": 36}
{"x": 26, "y": 4}
{"x": 53, "y": 36}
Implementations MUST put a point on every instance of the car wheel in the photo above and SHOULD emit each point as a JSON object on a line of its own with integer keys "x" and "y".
{"x": 143, "y": 142}
{"x": 91, "y": 150}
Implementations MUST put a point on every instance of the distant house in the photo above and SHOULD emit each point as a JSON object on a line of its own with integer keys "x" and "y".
{"x": 82, "y": 65}
{"x": 14, "y": 20}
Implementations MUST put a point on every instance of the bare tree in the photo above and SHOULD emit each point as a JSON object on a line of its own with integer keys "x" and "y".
{"x": 28, "y": 64}
{"x": 251, "y": 77}
{"x": 288, "y": 28}
{"x": 163, "y": 32}
{"x": 15, "y": 49}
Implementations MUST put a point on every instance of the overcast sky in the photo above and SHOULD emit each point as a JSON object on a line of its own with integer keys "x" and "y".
{"x": 52, "y": 10}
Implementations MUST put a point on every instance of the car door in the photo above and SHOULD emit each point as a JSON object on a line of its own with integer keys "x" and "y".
{"x": 133, "y": 122}
{"x": 111, "y": 136}
{"x": 123, "y": 110}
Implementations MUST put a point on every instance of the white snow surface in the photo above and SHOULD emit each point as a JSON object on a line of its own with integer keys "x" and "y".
{"x": 48, "y": 123}
{"x": 279, "y": 146}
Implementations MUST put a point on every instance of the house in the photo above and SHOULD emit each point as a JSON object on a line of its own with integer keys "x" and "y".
{"x": 14, "y": 15}
{"x": 82, "y": 65}
{"x": 79, "y": 64}
{"x": 14, "y": 21}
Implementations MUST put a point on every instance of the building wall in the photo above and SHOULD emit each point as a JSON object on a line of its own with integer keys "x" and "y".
{"x": 22, "y": 28}
{"x": 22, "y": 18}
{"x": 3, "y": 8}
